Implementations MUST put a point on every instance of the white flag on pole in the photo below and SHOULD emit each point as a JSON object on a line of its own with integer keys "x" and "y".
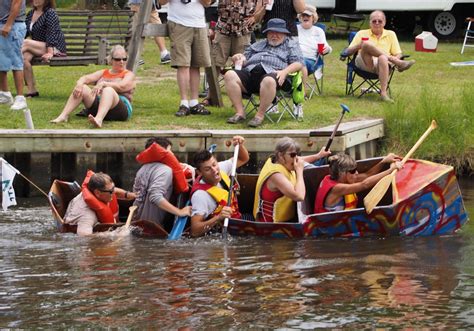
{"x": 8, "y": 193}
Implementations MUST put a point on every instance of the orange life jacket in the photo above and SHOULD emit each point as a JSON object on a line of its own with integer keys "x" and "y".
{"x": 156, "y": 153}
{"x": 106, "y": 212}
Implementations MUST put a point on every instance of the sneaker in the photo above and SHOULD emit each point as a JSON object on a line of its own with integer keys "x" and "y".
{"x": 182, "y": 111}
{"x": 6, "y": 98}
{"x": 386, "y": 98}
{"x": 166, "y": 59}
{"x": 141, "y": 62}
{"x": 406, "y": 65}
{"x": 199, "y": 109}
{"x": 298, "y": 111}
{"x": 19, "y": 103}
{"x": 273, "y": 109}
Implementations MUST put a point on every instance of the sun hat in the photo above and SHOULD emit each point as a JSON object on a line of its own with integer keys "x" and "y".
{"x": 311, "y": 11}
{"x": 276, "y": 25}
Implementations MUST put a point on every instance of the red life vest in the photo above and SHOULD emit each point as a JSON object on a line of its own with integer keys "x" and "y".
{"x": 268, "y": 199}
{"x": 106, "y": 212}
{"x": 220, "y": 195}
{"x": 156, "y": 153}
{"x": 350, "y": 200}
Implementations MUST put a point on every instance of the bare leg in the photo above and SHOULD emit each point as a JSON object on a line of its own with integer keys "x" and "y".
{"x": 28, "y": 72}
{"x": 267, "y": 94}
{"x": 108, "y": 100}
{"x": 30, "y": 49}
{"x": 160, "y": 42}
{"x": 305, "y": 78}
{"x": 194, "y": 77}
{"x": 3, "y": 81}
{"x": 86, "y": 97}
{"x": 383, "y": 67}
{"x": 183, "y": 77}
{"x": 18, "y": 79}
{"x": 234, "y": 89}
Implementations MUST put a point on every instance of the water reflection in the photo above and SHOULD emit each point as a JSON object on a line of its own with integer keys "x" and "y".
{"x": 55, "y": 280}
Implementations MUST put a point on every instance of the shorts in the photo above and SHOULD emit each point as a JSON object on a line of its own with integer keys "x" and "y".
{"x": 224, "y": 47}
{"x": 10, "y": 48}
{"x": 189, "y": 46}
{"x": 359, "y": 62}
{"x": 154, "y": 16}
{"x": 251, "y": 80}
{"x": 121, "y": 112}
{"x": 310, "y": 65}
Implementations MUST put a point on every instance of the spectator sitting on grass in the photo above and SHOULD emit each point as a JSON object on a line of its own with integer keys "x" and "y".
{"x": 110, "y": 98}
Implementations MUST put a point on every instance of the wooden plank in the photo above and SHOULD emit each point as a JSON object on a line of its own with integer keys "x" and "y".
{"x": 346, "y": 127}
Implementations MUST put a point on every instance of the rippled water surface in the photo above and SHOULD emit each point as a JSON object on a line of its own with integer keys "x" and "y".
{"x": 59, "y": 280}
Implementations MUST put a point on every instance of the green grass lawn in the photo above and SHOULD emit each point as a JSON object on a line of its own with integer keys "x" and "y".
{"x": 430, "y": 89}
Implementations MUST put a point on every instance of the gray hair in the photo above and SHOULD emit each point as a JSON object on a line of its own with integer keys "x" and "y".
{"x": 114, "y": 49}
{"x": 284, "y": 144}
{"x": 340, "y": 163}
{"x": 98, "y": 181}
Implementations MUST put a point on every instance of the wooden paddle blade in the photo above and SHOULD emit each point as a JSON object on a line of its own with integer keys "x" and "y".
{"x": 378, "y": 191}
{"x": 131, "y": 211}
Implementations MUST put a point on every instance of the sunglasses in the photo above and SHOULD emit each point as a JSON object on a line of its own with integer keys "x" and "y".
{"x": 352, "y": 171}
{"x": 111, "y": 191}
{"x": 124, "y": 59}
{"x": 293, "y": 154}
{"x": 376, "y": 21}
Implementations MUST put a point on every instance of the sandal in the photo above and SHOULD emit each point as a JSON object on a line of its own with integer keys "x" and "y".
{"x": 182, "y": 111}
{"x": 255, "y": 122}
{"x": 206, "y": 101}
{"x": 199, "y": 109}
{"x": 235, "y": 119}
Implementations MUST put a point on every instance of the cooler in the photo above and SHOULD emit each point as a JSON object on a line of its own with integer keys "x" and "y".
{"x": 426, "y": 42}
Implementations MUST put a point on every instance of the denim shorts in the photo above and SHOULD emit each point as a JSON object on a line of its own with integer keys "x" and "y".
{"x": 10, "y": 48}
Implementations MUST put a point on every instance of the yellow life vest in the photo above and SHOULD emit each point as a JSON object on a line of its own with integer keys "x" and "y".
{"x": 284, "y": 208}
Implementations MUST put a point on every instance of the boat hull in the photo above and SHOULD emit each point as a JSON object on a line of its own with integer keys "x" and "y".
{"x": 436, "y": 208}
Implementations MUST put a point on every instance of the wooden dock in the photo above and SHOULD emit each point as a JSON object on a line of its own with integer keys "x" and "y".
{"x": 45, "y": 155}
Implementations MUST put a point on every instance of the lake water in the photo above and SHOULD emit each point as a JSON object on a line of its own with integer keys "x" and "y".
{"x": 59, "y": 280}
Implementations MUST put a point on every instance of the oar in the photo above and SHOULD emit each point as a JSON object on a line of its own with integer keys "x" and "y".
{"x": 131, "y": 211}
{"x": 378, "y": 191}
{"x": 231, "y": 188}
{"x": 178, "y": 226}
{"x": 345, "y": 109}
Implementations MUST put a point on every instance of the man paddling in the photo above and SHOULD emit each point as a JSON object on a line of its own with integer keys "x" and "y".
{"x": 211, "y": 190}
{"x": 97, "y": 203}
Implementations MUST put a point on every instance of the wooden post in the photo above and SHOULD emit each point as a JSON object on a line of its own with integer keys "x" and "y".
{"x": 138, "y": 38}
{"x": 143, "y": 29}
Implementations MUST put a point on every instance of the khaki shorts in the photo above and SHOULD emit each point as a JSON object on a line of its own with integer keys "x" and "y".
{"x": 189, "y": 46}
{"x": 224, "y": 47}
{"x": 154, "y": 16}
{"x": 359, "y": 62}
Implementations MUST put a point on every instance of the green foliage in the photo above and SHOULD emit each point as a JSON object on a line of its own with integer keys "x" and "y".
{"x": 431, "y": 89}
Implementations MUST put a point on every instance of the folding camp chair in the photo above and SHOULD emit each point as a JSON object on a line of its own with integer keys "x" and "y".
{"x": 361, "y": 80}
{"x": 317, "y": 74}
{"x": 469, "y": 35}
{"x": 281, "y": 105}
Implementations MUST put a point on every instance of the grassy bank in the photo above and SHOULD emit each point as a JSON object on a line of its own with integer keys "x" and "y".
{"x": 431, "y": 89}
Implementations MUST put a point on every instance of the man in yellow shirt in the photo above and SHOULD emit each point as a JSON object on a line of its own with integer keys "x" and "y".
{"x": 378, "y": 49}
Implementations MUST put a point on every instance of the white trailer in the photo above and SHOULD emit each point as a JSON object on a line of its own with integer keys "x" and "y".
{"x": 445, "y": 18}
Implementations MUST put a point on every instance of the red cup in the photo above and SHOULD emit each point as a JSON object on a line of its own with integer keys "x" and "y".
{"x": 365, "y": 39}
{"x": 320, "y": 48}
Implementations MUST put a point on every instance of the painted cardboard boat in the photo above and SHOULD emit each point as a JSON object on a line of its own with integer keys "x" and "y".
{"x": 425, "y": 201}
{"x": 62, "y": 192}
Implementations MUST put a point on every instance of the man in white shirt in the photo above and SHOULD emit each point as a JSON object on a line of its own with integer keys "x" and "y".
{"x": 189, "y": 51}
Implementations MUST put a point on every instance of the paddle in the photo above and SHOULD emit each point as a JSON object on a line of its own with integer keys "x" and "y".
{"x": 231, "y": 188}
{"x": 345, "y": 109}
{"x": 131, "y": 211}
{"x": 378, "y": 191}
{"x": 178, "y": 226}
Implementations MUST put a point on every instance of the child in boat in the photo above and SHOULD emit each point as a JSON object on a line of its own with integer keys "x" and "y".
{"x": 337, "y": 191}
{"x": 280, "y": 183}
{"x": 211, "y": 190}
